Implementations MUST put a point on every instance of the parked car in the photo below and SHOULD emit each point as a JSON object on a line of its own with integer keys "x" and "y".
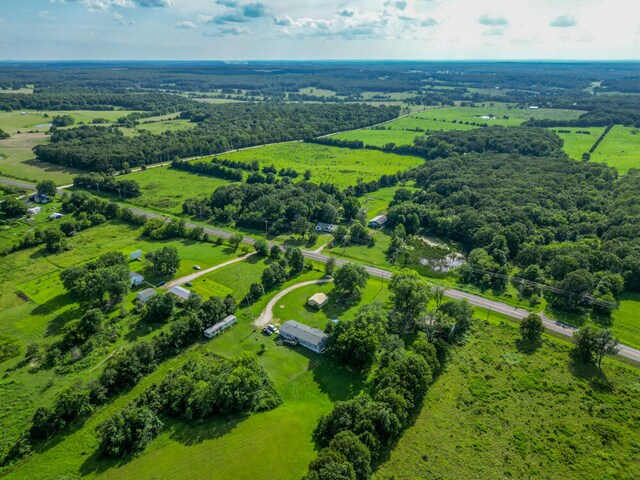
{"x": 189, "y": 284}
{"x": 271, "y": 328}
{"x": 160, "y": 283}
{"x": 267, "y": 331}
{"x": 196, "y": 267}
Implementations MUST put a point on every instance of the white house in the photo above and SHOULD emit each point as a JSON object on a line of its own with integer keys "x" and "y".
{"x": 136, "y": 279}
{"x": 378, "y": 222}
{"x": 325, "y": 227}
{"x": 135, "y": 255}
{"x": 312, "y": 338}
{"x": 180, "y": 292}
{"x": 55, "y": 216}
{"x": 144, "y": 296}
{"x": 219, "y": 327}
{"x": 317, "y": 300}
{"x": 34, "y": 210}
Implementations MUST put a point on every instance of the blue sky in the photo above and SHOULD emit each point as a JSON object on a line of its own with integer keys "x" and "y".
{"x": 319, "y": 29}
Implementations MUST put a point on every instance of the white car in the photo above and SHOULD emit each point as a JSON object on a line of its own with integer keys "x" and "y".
{"x": 196, "y": 267}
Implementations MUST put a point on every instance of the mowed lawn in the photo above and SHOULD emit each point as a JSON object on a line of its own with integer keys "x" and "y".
{"x": 499, "y": 413}
{"x": 341, "y": 166}
{"x": 620, "y": 149}
{"x": 166, "y": 189}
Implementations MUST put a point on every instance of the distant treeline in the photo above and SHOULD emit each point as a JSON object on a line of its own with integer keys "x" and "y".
{"x": 222, "y": 127}
{"x": 601, "y": 111}
{"x": 156, "y": 102}
{"x": 208, "y": 168}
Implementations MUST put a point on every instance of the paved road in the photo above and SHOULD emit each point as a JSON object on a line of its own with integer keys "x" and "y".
{"x": 475, "y": 300}
{"x": 18, "y": 183}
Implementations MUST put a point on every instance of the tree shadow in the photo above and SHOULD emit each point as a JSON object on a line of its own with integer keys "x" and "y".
{"x": 601, "y": 319}
{"x": 590, "y": 373}
{"x": 527, "y": 347}
{"x": 201, "y": 430}
{"x": 339, "y": 382}
{"x": 569, "y": 318}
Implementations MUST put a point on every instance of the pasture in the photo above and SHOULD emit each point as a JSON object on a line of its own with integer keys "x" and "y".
{"x": 379, "y": 138}
{"x": 165, "y": 189}
{"x": 509, "y": 421}
{"x": 159, "y": 126}
{"x": 620, "y": 149}
{"x": 340, "y": 166}
{"x": 575, "y": 144}
{"x": 35, "y": 120}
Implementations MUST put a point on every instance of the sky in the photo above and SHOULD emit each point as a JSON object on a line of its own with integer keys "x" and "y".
{"x": 319, "y": 29}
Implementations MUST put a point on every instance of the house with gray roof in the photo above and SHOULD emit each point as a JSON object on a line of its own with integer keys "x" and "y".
{"x": 312, "y": 338}
{"x": 180, "y": 292}
{"x": 144, "y": 295}
{"x": 219, "y": 327}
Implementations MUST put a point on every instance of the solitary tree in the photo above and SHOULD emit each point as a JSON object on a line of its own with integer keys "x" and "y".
{"x": 236, "y": 240}
{"x": 262, "y": 247}
{"x": 164, "y": 261}
{"x": 410, "y": 295}
{"x": 531, "y": 328}
{"x": 350, "y": 279}
{"x": 605, "y": 344}
{"x": 330, "y": 266}
{"x": 46, "y": 187}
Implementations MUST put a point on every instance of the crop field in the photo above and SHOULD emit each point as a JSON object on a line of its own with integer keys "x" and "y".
{"x": 340, "y": 166}
{"x": 166, "y": 189}
{"x": 509, "y": 421}
{"x": 575, "y": 144}
{"x": 620, "y": 149}
{"x": 379, "y": 138}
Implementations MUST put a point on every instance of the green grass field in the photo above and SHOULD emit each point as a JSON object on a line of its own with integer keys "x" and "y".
{"x": 500, "y": 413}
{"x": 626, "y": 319}
{"x": 379, "y": 138}
{"x": 159, "y": 126}
{"x": 29, "y": 120}
{"x": 340, "y": 166}
{"x": 165, "y": 189}
{"x": 18, "y": 161}
{"x": 620, "y": 149}
{"x": 575, "y": 144}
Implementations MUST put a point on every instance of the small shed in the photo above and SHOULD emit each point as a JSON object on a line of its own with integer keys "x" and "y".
{"x": 34, "y": 210}
{"x": 135, "y": 255}
{"x": 317, "y": 300}
{"x": 219, "y": 327}
{"x": 136, "y": 279}
{"x": 378, "y": 222}
{"x": 180, "y": 292}
{"x": 55, "y": 216}
{"x": 144, "y": 296}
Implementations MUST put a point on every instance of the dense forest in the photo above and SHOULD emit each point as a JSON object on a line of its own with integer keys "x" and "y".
{"x": 220, "y": 128}
{"x": 568, "y": 224}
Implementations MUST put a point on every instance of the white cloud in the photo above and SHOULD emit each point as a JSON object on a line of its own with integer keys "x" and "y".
{"x": 186, "y": 25}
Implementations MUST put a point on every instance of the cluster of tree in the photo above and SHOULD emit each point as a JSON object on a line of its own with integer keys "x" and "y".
{"x": 3, "y": 134}
{"x": 336, "y": 142}
{"x": 221, "y": 127}
{"x": 209, "y": 168}
{"x": 356, "y": 433}
{"x": 199, "y": 389}
{"x": 573, "y": 231}
{"x": 165, "y": 261}
{"x": 62, "y": 121}
{"x": 283, "y": 266}
{"x": 253, "y": 166}
{"x": 102, "y": 181}
{"x": 89, "y": 283}
{"x": 13, "y": 207}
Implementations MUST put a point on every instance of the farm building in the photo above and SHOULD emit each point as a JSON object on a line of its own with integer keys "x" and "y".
{"x": 135, "y": 255}
{"x": 55, "y": 216}
{"x": 136, "y": 279}
{"x": 312, "y": 338}
{"x": 325, "y": 227}
{"x": 317, "y": 300}
{"x": 144, "y": 296}
{"x": 378, "y": 222}
{"x": 180, "y": 292}
{"x": 34, "y": 210}
{"x": 219, "y": 327}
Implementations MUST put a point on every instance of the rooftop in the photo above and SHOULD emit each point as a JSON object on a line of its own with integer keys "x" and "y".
{"x": 146, "y": 294}
{"x": 180, "y": 292}
{"x": 301, "y": 331}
